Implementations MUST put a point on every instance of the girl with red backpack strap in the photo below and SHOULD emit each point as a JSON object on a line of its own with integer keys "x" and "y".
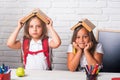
{"x": 36, "y": 43}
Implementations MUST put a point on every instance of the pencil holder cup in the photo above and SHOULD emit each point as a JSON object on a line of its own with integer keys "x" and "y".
{"x": 91, "y": 77}
{"x": 6, "y": 76}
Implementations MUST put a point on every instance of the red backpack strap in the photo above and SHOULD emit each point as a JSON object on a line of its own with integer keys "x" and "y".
{"x": 46, "y": 49}
{"x": 25, "y": 49}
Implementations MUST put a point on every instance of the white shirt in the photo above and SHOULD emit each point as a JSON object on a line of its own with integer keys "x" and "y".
{"x": 83, "y": 61}
{"x": 37, "y": 61}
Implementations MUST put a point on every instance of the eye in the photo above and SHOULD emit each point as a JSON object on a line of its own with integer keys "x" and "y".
{"x": 78, "y": 37}
{"x": 30, "y": 26}
{"x": 85, "y": 36}
{"x": 39, "y": 26}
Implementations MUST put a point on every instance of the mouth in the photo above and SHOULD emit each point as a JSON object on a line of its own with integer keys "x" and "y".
{"x": 34, "y": 33}
{"x": 81, "y": 43}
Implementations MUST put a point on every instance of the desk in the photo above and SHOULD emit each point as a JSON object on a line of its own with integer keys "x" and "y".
{"x": 59, "y": 75}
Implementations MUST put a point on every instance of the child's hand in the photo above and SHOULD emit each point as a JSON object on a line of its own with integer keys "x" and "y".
{"x": 50, "y": 25}
{"x": 20, "y": 25}
{"x": 76, "y": 46}
{"x": 88, "y": 46}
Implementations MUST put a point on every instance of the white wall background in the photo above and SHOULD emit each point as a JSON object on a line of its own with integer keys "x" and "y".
{"x": 64, "y": 13}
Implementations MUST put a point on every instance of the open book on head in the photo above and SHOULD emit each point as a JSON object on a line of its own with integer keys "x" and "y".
{"x": 38, "y": 13}
{"x": 85, "y": 23}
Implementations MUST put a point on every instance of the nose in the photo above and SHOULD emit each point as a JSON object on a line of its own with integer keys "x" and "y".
{"x": 35, "y": 28}
{"x": 81, "y": 39}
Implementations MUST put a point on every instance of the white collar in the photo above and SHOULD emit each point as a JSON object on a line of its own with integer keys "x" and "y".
{"x": 33, "y": 42}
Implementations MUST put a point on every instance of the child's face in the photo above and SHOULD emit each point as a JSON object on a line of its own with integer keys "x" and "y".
{"x": 35, "y": 28}
{"x": 82, "y": 38}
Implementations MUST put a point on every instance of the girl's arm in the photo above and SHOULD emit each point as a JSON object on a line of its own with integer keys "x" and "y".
{"x": 56, "y": 41}
{"x": 12, "y": 42}
{"x": 73, "y": 60}
{"x": 94, "y": 59}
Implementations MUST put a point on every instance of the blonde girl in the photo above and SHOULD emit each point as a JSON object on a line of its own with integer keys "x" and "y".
{"x": 35, "y": 30}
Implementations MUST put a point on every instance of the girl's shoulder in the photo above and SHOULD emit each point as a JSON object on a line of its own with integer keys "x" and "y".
{"x": 99, "y": 48}
{"x": 70, "y": 48}
{"x": 99, "y": 44}
{"x": 70, "y": 45}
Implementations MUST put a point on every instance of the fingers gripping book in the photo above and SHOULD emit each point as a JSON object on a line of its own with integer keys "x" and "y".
{"x": 38, "y": 13}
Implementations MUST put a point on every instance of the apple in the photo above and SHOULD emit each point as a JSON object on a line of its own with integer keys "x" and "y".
{"x": 20, "y": 72}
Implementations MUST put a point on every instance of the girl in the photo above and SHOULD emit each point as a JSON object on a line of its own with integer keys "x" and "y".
{"x": 83, "y": 50}
{"x": 35, "y": 30}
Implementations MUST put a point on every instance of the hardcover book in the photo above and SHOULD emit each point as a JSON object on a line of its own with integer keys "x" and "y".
{"x": 85, "y": 23}
{"x": 88, "y": 25}
{"x": 38, "y": 13}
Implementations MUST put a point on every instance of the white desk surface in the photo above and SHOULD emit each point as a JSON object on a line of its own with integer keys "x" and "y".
{"x": 59, "y": 75}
